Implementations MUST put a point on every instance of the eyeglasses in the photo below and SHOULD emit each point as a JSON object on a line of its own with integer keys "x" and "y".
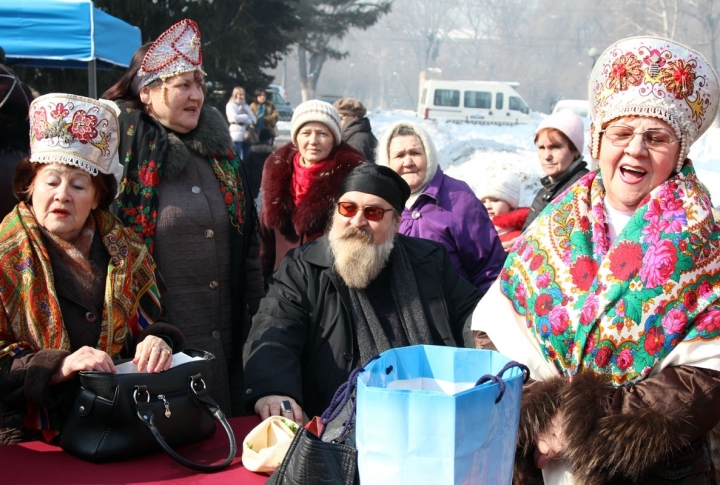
{"x": 371, "y": 213}
{"x": 620, "y": 136}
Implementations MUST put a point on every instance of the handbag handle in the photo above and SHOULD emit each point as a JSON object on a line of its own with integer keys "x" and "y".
{"x": 497, "y": 379}
{"x": 146, "y": 415}
{"x": 340, "y": 399}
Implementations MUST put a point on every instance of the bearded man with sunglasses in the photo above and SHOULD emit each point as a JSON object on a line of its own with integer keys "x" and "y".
{"x": 357, "y": 291}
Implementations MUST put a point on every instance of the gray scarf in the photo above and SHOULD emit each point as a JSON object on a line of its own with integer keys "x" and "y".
{"x": 372, "y": 339}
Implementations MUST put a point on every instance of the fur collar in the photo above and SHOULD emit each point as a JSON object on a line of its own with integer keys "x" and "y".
{"x": 513, "y": 219}
{"x": 310, "y": 217}
{"x": 210, "y": 137}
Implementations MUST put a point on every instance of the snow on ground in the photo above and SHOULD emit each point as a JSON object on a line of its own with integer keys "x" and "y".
{"x": 471, "y": 152}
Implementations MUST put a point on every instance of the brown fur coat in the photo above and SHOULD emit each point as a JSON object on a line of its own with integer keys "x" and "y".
{"x": 283, "y": 225}
{"x": 654, "y": 432}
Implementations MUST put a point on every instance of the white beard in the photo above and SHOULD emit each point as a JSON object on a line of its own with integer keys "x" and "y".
{"x": 358, "y": 260}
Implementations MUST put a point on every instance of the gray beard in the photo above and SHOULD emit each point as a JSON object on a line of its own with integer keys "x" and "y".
{"x": 358, "y": 260}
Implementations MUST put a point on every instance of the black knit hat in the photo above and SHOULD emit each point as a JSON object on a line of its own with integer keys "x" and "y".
{"x": 377, "y": 180}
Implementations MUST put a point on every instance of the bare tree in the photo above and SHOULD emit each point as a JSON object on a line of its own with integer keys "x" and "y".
{"x": 707, "y": 13}
{"x": 323, "y": 23}
{"x": 653, "y": 17}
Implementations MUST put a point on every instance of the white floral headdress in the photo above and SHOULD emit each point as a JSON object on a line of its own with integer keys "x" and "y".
{"x": 77, "y": 131}
{"x": 176, "y": 51}
{"x": 653, "y": 76}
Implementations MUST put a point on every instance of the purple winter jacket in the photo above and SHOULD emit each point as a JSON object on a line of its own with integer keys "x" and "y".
{"x": 448, "y": 212}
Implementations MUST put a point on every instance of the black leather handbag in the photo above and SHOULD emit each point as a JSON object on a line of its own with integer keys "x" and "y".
{"x": 310, "y": 461}
{"x": 121, "y": 416}
{"x": 331, "y": 457}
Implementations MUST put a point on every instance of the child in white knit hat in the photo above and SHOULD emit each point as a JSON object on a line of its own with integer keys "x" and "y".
{"x": 501, "y": 196}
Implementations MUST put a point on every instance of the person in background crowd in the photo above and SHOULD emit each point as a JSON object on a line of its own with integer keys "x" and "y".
{"x": 267, "y": 116}
{"x": 15, "y": 98}
{"x": 442, "y": 208}
{"x": 501, "y": 196}
{"x": 184, "y": 192}
{"x": 559, "y": 140}
{"x": 612, "y": 297}
{"x": 357, "y": 291}
{"x": 240, "y": 116}
{"x": 77, "y": 288}
{"x": 356, "y": 130}
{"x": 300, "y": 180}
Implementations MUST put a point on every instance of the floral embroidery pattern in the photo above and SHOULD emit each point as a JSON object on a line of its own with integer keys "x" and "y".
{"x": 619, "y": 309}
{"x": 654, "y": 60}
{"x": 626, "y": 71}
{"x": 679, "y": 78}
{"x": 83, "y": 126}
{"x": 138, "y": 199}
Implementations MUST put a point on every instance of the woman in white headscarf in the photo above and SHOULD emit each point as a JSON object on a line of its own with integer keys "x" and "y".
{"x": 442, "y": 208}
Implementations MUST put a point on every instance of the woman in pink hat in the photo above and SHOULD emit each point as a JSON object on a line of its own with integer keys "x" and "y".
{"x": 559, "y": 141}
{"x": 612, "y": 296}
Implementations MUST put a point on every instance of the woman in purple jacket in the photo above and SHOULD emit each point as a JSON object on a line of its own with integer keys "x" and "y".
{"x": 442, "y": 208}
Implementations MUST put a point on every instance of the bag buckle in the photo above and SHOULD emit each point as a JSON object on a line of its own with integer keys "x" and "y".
{"x": 140, "y": 390}
{"x": 194, "y": 381}
{"x": 167, "y": 405}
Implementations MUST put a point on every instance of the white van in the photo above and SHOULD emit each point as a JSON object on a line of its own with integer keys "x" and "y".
{"x": 473, "y": 101}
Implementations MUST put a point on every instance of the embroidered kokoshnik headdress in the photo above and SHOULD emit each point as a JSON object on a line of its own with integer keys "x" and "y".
{"x": 77, "y": 131}
{"x": 653, "y": 76}
{"x": 178, "y": 50}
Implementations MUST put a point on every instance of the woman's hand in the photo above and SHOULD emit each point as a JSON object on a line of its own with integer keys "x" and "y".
{"x": 85, "y": 358}
{"x": 154, "y": 354}
{"x": 273, "y": 406}
{"x": 550, "y": 442}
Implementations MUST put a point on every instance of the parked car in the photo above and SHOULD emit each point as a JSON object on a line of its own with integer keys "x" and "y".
{"x": 581, "y": 107}
{"x": 281, "y": 89}
{"x": 276, "y": 98}
{"x": 328, "y": 98}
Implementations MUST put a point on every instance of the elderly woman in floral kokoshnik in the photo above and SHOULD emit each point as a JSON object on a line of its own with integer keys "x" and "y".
{"x": 77, "y": 288}
{"x": 612, "y": 297}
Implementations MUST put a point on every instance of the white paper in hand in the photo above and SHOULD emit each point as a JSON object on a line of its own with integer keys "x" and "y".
{"x": 177, "y": 359}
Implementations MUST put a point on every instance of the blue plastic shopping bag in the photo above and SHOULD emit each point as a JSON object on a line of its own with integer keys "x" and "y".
{"x": 422, "y": 420}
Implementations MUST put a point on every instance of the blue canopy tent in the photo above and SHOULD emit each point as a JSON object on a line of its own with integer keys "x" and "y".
{"x": 65, "y": 33}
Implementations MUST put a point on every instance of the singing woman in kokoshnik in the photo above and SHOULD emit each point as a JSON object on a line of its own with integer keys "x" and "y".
{"x": 611, "y": 296}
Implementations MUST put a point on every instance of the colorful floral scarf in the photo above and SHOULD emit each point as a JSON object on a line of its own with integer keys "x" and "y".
{"x": 143, "y": 149}
{"x": 31, "y": 317}
{"x": 619, "y": 309}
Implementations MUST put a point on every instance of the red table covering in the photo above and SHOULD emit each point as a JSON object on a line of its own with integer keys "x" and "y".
{"x": 39, "y": 463}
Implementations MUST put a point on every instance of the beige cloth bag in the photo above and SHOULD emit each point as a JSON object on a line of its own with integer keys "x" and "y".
{"x": 264, "y": 448}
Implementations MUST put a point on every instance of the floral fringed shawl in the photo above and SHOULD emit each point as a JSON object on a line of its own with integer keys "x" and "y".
{"x": 144, "y": 146}
{"x": 30, "y": 317}
{"x": 649, "y": 298}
